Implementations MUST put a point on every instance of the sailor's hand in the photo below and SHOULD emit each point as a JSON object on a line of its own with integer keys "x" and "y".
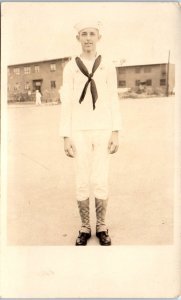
{"x": 69, "y": 147}
{"x": 113, "y": 142}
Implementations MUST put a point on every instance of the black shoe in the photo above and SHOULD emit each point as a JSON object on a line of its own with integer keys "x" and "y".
{"x": 82, "y": 238}
{"x": 104, "y": 238}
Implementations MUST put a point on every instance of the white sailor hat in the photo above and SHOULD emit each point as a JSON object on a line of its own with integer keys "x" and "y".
{"x": 88, "y": 24}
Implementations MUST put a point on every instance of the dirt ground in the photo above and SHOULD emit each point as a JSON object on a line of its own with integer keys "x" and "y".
{"x": 42, "y": 208}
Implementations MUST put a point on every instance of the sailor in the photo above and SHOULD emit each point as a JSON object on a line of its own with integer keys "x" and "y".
{"x": 90, "y": 124}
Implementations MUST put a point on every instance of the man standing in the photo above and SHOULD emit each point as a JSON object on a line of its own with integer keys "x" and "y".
{"x": 38, "y": 97}
{"x": 90, "y": 122}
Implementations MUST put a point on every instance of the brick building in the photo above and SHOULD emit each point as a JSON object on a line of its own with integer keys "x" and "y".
{"x": 46, "y": 76}
{"x": 153, "y": 76}
{"x": 25, "y": 79}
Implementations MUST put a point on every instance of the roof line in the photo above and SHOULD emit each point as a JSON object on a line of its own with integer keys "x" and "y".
{"x": 40, "y": 61}
{"x": 68, "y": 57}
{"x": 154, "y": 64}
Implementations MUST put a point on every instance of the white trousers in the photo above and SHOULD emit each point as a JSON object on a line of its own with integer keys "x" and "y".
{"x": 91, "y": 163}
{"x": 38, "y": 101}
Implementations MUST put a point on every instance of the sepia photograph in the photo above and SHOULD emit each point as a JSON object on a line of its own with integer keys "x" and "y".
{"x": 90, "y": 106}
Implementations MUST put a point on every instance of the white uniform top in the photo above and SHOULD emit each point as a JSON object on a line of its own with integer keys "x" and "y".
{"x": 76, "y": 116}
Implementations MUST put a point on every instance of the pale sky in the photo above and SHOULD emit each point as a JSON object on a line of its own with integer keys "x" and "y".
{"x": 137, "y": 32}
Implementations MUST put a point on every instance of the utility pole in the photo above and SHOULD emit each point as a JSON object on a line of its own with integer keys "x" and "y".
{"x": 168, "y": 66}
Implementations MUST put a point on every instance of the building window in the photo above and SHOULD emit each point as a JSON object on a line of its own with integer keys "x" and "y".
{"x": 17, "y": 71}
{"x": 53, "y": 67}
{"x": 122, "y": 70}
{"x": 147, "y": 69}
{"x": 149, "y": 82}
{"x": 137, "y": 82}
{"x": 27, "y": 70}
{"x": 163, "y": 70}
{"x": 27, "y": 86}
{"x": 37, "y": 69}
{"x": 137, "y": 70}
{"x": 16, "y": 87}
{"x": 53, "y": 84}
{"x": 162, "y": 82}
{"x": 122, "y": 83}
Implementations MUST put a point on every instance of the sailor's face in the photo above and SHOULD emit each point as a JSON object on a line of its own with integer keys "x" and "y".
{"x": 88, "y": 38}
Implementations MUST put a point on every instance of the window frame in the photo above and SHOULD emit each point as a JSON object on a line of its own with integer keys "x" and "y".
{"x": 53, "y": 84}
{"x": 120, "y": 85}
{"x": 27, "y": 70}
{"x": 53, "y": 67}
{"x": 137, "y": 70}
{"x": 16, "y": 86}
{"x": 161, "y": 82}
{"x": 27, "y": 86}
{"x": 122, "y": 70}
{"x": 137, "y": 82}
{"x": 16, "y": 71}
{"x": 147, "y": 69}
{"x": 150, "y": 81}
{"x": 37, "y": 68}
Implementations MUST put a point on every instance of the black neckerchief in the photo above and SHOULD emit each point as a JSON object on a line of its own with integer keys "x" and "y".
{"x": 90, "y": 80}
